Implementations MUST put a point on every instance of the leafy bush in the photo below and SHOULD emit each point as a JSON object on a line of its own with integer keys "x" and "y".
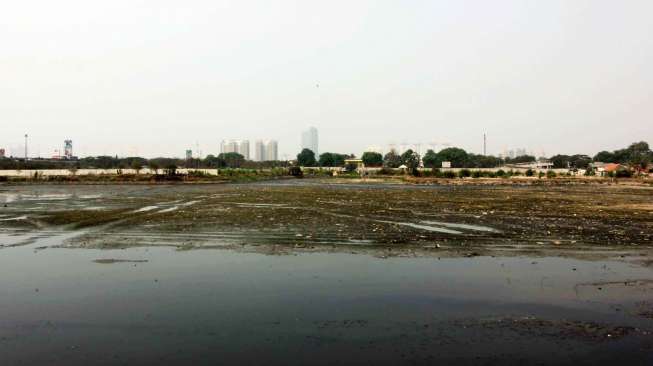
{"x": 464, "y": 173}
{"x": 449, "y": 174}
{"x": 551, "y": 174}
{"x": 530, "y": 172}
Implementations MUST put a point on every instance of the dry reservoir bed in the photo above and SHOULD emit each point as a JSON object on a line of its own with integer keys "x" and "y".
{"x": 360, "y": 274}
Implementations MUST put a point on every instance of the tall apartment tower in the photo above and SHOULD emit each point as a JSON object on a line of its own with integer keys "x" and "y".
{"x": 228, "y": 146}
{"x": 310, "y": 140}
{"x": 235, "y": 146}
{"x": 271, "y": 150}
{"x": 243, "y": 148}
{"x": 266, "y": 150}
{"x": 259, "y": 150}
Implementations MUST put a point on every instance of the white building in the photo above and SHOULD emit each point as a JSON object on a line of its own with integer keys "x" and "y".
{"x": 272, "y": 150}
{"x": 243, "y": 148}
{"x": 235, "y": 146}
{"x": 259, "y": 150}
{"x": 310, "y": 140}
{"x": 266, "y": 150}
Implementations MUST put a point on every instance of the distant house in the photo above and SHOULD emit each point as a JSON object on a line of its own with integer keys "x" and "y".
{"x": 612, "y": 167}
{"x": 602, "y": 169}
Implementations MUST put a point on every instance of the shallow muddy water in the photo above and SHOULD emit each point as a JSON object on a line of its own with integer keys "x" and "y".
{"x": 141, "y": 300}
{"x": 151, "y": 305}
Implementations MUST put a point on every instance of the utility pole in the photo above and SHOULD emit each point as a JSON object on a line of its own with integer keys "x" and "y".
{"x": 484, "y": 144}
{"x": 25, "y": 147}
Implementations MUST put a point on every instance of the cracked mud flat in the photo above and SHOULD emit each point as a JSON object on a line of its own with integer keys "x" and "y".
{"x": 316, "y": 273}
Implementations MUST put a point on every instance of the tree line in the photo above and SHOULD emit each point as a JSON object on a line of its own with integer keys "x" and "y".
{"x": 637, "y": 154}
{"x": 226, "y": 160}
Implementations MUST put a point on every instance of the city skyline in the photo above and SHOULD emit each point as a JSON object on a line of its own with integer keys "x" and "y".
{"x": 309, "y": 139}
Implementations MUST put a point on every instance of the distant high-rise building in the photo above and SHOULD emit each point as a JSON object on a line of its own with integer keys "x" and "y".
{"x": 189, "y": 154}
{"x": 259, "y": 150}
{"x": 271, "y": 150}
{"x": 238, "y": 146}
{"x": 243, "y": 148}
{"x": 310, "y": 140}
{"x": 228, "y": 146}
{"x": 2, "y": 153}
{"x": 266, "y": 150}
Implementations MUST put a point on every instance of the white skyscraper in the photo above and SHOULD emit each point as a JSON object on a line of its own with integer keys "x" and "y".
{"x": 266, "y": 150}
{"x": 228, "y": 146}
{"x": 237, "y": 146}
{"x": 243, "y": 148}
{"x": 259, "y": 150}
{"x": 310, "y": 140}
{"x": 271, "y": 150}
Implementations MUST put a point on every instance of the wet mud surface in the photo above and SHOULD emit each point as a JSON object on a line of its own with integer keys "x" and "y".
{"x": 311, "y": 272}
{"x": 388, "y": 220}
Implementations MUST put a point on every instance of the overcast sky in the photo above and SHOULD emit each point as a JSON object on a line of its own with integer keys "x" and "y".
{"x": 156, "y": 77}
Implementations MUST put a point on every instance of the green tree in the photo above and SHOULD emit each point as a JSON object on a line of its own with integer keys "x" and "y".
{"x": 522, "y": 159}
{"x": 332, "y": 159}
{"x": 306, "y": 158}
{"x": 230, "y": 160}
{"x": 154, "y": 167}
{"x": 604, "y": 157}
{"x": 431, "y": 159}
{"x": 579, "y": 161}
{"x": 639, "y": 154}
{"x": 482, "y": 161}
{"x": 457, "y": 156}
{"x": 372, "y": 158}
{"x": 392, "y": 160}
{"x": 560, "y": 161}
{"x": 326, "y": 159}
{"x": 171, "y": 170}
{"x": 410, "y": 159}
{"x": 136, "y": 165}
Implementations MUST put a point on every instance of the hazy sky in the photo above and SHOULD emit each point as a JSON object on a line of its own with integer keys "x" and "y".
{"x": 155, "y": 77}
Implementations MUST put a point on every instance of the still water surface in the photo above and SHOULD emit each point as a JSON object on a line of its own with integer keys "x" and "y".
{"x": 58, "y": 306}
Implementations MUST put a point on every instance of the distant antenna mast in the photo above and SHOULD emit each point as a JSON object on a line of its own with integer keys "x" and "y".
{"x": 484, "y": 144}
{"x": 25, "y": 147}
